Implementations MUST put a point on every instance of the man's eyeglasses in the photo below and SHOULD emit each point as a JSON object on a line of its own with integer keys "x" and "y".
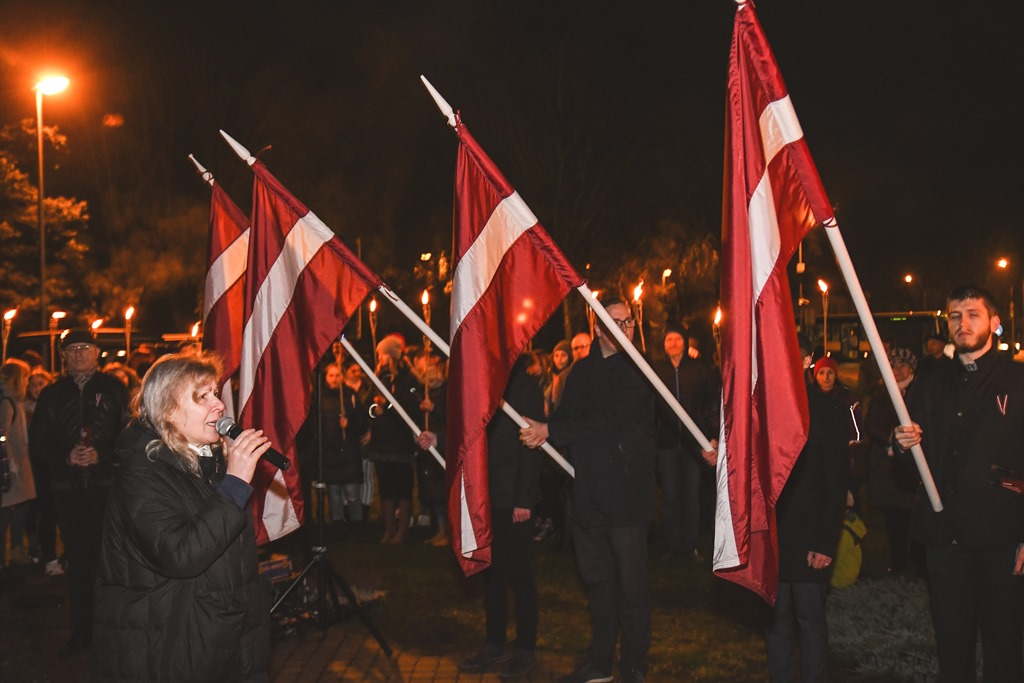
{"x": 624, "y": 324}
{"x": 77, "y": 348}
{"x": 580, "y": 347}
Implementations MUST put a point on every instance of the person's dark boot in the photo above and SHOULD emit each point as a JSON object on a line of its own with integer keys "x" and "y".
{"x": 484, "y": 657}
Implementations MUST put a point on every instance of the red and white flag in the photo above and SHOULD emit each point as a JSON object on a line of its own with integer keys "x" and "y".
{"x": 224, "y": 293}
{"x": 303, "y": 286}
{"x": 773, "y": 197}
{"x": 508, "y": 278}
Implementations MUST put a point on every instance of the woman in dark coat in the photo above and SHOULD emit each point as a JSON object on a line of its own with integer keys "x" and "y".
{"x": 178, "y": 596}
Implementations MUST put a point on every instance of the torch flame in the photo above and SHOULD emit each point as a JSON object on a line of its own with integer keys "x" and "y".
{"x": 195, "y": 330}
{"x": 58, "y": 315}
{"x": 718, "y": 315}
{"x": 373, "y": 305}
{"x": 425, "y": 299}
{"x": 638, "y": 291}
{"x": 823, "y": 286}
{"x": 129, "y": 313}
{"x": 97, "y": 323}
{"x": 9, "y": 315}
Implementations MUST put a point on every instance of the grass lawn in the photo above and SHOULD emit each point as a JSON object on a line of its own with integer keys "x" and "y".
{"x": 704, "y": 628}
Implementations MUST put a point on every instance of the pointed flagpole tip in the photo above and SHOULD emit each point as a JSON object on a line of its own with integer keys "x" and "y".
{"x": 445, "y": 108}
{"x": 203, "y": 173}
{"x": 242, "y": 152}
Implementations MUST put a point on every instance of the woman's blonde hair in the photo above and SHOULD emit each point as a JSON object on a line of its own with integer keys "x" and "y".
{"x": 169, "y": 381}
{"x": 14, "y": 378}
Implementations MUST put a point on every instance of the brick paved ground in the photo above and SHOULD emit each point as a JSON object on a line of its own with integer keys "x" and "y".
{"x": 34, "y": 624}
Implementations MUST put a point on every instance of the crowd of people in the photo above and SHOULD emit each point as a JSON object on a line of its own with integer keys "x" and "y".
{"x": 159, "y": 551}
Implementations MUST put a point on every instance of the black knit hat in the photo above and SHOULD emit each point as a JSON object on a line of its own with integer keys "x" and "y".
{"x": 77, "y": 336}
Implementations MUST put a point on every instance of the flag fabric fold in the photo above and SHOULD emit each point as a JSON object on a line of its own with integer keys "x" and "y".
{"x": 302, "y": 287}
{"x": 772, "y": 198}
{"x": 508, "y": 278}
{"x": 224, "y": 291}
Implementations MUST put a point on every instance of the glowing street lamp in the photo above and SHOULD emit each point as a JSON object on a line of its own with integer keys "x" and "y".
{"x": 51, "y": 85}
{"x": 129, "y": 312}
{"x": 8, "y": 321}
{"x": 1003, "y": 263}
{"x": 908, "y": 278}
{"x": 55, "y": 319}
{"x": 823, "y": 286}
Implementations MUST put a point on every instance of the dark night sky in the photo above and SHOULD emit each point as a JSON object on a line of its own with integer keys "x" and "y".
{"x": 911, "y": 111}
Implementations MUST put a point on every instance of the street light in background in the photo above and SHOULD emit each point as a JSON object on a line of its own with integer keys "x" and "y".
{"x": 823, "y": 286}
{"x": 1003, "y": 263}
{"x": 55, "y": 319}
{"x": 8, "y": 321}
{"x": 51, "y": 85}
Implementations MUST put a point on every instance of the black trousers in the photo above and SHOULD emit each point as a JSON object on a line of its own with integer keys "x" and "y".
{"x": 975, "y": 590}
{"x": 798, "y": 617}
{"x": 510, "y": 569}
{"x": 80, "y": 513}
{"x": 613, "y": 564}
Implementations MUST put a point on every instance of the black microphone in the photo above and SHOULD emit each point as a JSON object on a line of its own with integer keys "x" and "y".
{"x": 227, "y": 427}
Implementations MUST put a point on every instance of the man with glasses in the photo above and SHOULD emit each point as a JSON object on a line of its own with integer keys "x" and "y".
{"x": 580, "y": 346}
{"x": 74, "y": 431}
{"x": 606, "y": 423}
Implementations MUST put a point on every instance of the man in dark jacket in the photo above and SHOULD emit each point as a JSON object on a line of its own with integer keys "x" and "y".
{"x": 809, "y": 517}
{"x": 607, "y": 422}
{"x": 698, "y": 388}
{"x": 968, "y": 416}
{"x": 74, "y": 432}
{"x": 514, "y": 483}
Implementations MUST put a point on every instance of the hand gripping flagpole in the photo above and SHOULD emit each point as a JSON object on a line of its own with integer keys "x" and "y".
{"x": 835, "y": 238}
{"x": 443, "y": 347}
{"x": 644, "y": 367}
{"x": 389, "y": 396}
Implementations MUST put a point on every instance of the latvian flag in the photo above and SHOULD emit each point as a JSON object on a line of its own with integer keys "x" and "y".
{"x": 773, "y": 197}
{"x": 224, "y": 293}
{"x": 509, "y": 277}
{"x": 303, "y": 286}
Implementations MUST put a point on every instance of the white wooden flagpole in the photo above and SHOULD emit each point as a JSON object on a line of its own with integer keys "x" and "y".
{"x": 644, "y": 367}
{"x": 389, "y": 396}
{"x": 835, "y": 238}
{"x": 443, "y": 347}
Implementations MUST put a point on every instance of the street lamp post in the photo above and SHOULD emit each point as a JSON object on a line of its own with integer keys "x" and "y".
{"x": 51, "y": 85}
{"x": 1004, "y": 264}
{"x": 823, "y": 286}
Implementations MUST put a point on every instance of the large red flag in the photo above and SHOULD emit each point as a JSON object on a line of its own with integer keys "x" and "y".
{"x": 508, "y": 278}
{"x": 303, "y": 286}
{"x": 224, "y": 294}
{"x": 772, "y": 197}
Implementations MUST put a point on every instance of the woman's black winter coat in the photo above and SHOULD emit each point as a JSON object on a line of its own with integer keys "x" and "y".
{"x": 178, "y": 596}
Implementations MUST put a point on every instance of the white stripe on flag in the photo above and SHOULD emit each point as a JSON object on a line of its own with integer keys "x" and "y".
{"x": 279, "y": 516}
{"x": 303, "y": 242}
{"x": 779, "y": 127}
{"x": 225, "y": 271}
{"x": 725, "y": 554}
{"x": 510, "y": 219}
{"x": 468, "y": 539}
